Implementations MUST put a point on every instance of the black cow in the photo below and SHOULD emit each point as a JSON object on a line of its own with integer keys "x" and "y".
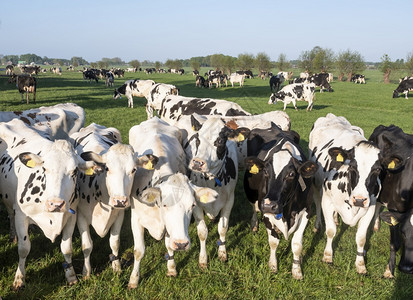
{"x": 90, "y": 75}
{"x": 247, "y": 73}
{"x": 276, "y": 82}
{"x": 404, "y": 88}
{"x": 25, "y": 84}
{"x": 321, "y": 80}
{"x": 278, "y": 179}
{"x": 396, "y": 149}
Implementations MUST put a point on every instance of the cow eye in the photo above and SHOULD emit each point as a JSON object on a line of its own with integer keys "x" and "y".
{"x": 106, "y": 169}
{"x": 133, "y": 170}
{"x": 290, "y": 175}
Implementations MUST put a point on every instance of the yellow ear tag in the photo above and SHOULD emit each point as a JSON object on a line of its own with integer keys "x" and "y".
{"x": 254, "y": 169}
{"x": 193, "y": 128}
{"x": 30, "y": 163}
{"x": 151, "y": 198}
{"x": 149, "y": 165}
{"x": 393, "y": 221}
{"x": 391, "y": 165}
{"x": 339, "y": 158}
{"x": 204, "y": 199}
{"x": 89, "y": 172}
{"x": 241, "y": 137}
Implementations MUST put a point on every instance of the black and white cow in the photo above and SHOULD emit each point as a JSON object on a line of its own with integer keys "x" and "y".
{"x": 90, "y": 75}
{"x": 276, "y": 82}
{"x": 134, "y": 87}
{"x": 358, "y": 78}
{"x": 404, "y": 87}
{"x": 25, "y": 84}
{"x": 278, "y": 179}
{"x": 293, "y": 93}
{"x": 321, "y": 80}
{"x": 109, "y": 79}
{"x": 397, "y": 193}
{"x": 9, "y": 70}
{"x": 104, "y": 197}
{"x": 174, "y": 196}
{"x": 37, "y": 185}
{"x": 201, "y": 82}
{"x": 247, "y": 73}
{"x": 347, "y": 182}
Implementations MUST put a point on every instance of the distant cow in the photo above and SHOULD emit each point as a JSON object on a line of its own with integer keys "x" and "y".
{"x": 90, "y": 75}
{"x": 25, "y": 84}
{"x": 109, "y": 79}
{"x": 247, "y": 73}
{"x": 358, "y": 78}
{"x": 321, "y": 80}
{"x": 237, "y": 78}
{"x": 200, "y": 81}
{"x": 134, "y": 87}
{"x": 9, "y": 70}
{"x": 276, "y": 82}
{"x": 294, "y": 92}
{"x": 404, "y": 88}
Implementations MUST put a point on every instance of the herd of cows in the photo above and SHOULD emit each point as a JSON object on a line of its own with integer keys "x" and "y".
{"x": 185, "y": 162}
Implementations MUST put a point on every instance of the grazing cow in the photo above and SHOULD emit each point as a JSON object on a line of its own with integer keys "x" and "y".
{"x": 237, "y": 78}
{"x": 118, "y": 72}
{"x": 397, "y": 193}
{"x": 195, "y": 73}
{"x": 247, "y": 73}
{"x": 400, "y": 79}
{"x": 33, "y": 70}
{"x": 58, "y": 121}
{"x": 294, "y": 92}
{"x": 136, "y": 87}
{"x": 201, "y": 82}
{"x": 276, "y": 82}
{"x": 278, "y": 179}
{"x": 37, "y": 184}
{"x": 90, "y": 75}
{"x": 25, "y": 84}
{"x": 104, "y": 197}
{"x": 320, "y": 80}
{"x": 169, "y": 213}
{"x": 347, "y": 182}
{"x": 109, "y": 79}
{"x": 404, "y": 88}
{"x": 9, "y": 70}
{"x": 358, "y": 78}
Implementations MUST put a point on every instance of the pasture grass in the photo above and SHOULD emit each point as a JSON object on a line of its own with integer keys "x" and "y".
{"x": 246, "y": 274}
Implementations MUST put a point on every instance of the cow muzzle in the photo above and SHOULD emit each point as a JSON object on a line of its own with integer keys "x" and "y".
{"x": 55, "y": 205}
{"x": 180, "y": 245}
{"x": 198, "y": 165}
{"x": 268, "y": 206}
{"x": 119, "y": 201}
{"x": 360, "y": 201}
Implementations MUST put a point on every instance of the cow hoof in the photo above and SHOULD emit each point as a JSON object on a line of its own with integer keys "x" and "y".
{"x": 203, "y": 266}
{"x": 273, "y": 269}
{"x": 387, "y": 274}
{"x": 72, "y": 281}
{"x": 328, "y": 259}
{"x": 254, "y": 229}
{"x": 222, "y": 255}
{"x": 361, "y": 270}
{"x": 171, "y": 273}
{"x": 116, "y": 266}
{"x": 297, "y": 274}
{"x": 132, "y": 286}
{"x": 315, "y": 230}
{"x": 18, "y": 286}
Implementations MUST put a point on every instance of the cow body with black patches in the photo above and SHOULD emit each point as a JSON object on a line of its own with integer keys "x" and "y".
{"x": 104, "y": 197}
{"x": 133, "y": 88}
{"x": 276, "y": 82}
{"x": 278, "y": 181}
{"x": 321, "y": 80}
{"x": 358, "y": 78}
{"x": 37, "y": 184}
{"x": 404, "y": 87}
{"x": 25, "y": 84}
{"x": 347, "y": 181}
{"x": 293, "y": 93}
{"x": 169, "y": 212}
{"x": 396, "y": 149}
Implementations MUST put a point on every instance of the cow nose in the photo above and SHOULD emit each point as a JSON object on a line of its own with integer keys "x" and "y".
{"x": 198, "y": 165}
{"x": 55, "y": 205}
{"x": 269, "y": 206}
{"x": 180, "y": 245}
{"x": 360, "y": 201}
{"x": 119, "y": 201}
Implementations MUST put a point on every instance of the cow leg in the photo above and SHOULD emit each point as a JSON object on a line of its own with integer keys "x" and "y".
{"x": 149, "y": 111}
{"x": 297, "y": 247}
{"x": 27, "y": 97}
{"x": 202, "y": 230}
{"x": 361, "y": 234}
{"x": 376, "y": 218}
{"x": 273, "y": 241}
{"x": 395, "y": 243}
{"x": 114, "y": 241}
{"x": 317, "y": 201}
{"x": 23, "y": 246}
{"x": 170, "y": 259}
{"x": 87, "y": 244}
{"x": 130, "y": 101}
{"x": 67, "y": 250}
{"x": 12, "y": 234}
{"x": 223, "y": 227}
{"x": 254, "y": 218}
{"x": 22, "y": 97}
{"x": 138, "y": 250}
{"x": 331, "y": 230}
{"x": 294, "y": 101}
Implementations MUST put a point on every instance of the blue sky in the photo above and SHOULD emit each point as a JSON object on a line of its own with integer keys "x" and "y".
{"x": 160, "y": 30}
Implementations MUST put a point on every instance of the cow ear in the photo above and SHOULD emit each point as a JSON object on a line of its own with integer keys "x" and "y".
{"x": 242, "y": 133}
{"x": 338, "y": 154}
{"x": 30, "y": 160}
{"x": 254, "y": 165}
{"x": 308, "y": 169}
{"x": 204, "y": 195}
{"x": 147, "y": 161}
{"x": 195, "y": 124}
{"x": 151, "y": 197}
{"x": 92, "y": 156}
{"x": 393, "y": 163}
{"x": 392, "y": 218}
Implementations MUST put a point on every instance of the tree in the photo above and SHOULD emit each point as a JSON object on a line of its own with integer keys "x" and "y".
{"x": 282, "y": 63}
{"x": 135, "y": 63}
{"x": 103, "y": 64}
{"x": 195, "y": 64}
{"x": 158, "y": 65}
{"x": 217, "y": 61}
{"x": 349, "y": 63}
{"x": 409, "y": 63}
{"x": 316, "y": 60}
{"x": 262, "y": 62}
{"x": 228, "y": 63}
{"x": 386, "y": 67}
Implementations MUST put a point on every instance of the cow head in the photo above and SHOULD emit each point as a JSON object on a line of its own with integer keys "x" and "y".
{"x": 273, "y": 99}
{"x": 54, "y": 175}
{"x": 120, "y": 163}
{"x": 395, "y": 94}
{"x": 358, "y": 171}
{"x": 176, "y": 198}
{"x": 282, "y": 174}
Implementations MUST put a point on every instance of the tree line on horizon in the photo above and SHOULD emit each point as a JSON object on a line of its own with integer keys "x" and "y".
{"x": 345, "y": 63}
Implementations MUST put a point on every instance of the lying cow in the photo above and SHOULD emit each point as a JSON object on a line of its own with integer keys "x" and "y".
{"x": 404, "y": 87}
{"x": 278, "y": 178}
{"x": 38, "y": 182}
{"x": 347, "y": 182}
{"x": 358, "y": 78}
{"x": 136, "y": 87}
{"x": 397, "y": 193}
{"x": 167, "y": 208}
{"x": 293, "y": 93}
{"x": 25, "y": 84}
{"x": 104, "y": 197}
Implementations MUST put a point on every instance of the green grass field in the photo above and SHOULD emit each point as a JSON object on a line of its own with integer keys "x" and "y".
{"x": 246, "y": 274}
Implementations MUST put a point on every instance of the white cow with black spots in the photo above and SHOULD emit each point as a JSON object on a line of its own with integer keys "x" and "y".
{"x": 133, "y": 88}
